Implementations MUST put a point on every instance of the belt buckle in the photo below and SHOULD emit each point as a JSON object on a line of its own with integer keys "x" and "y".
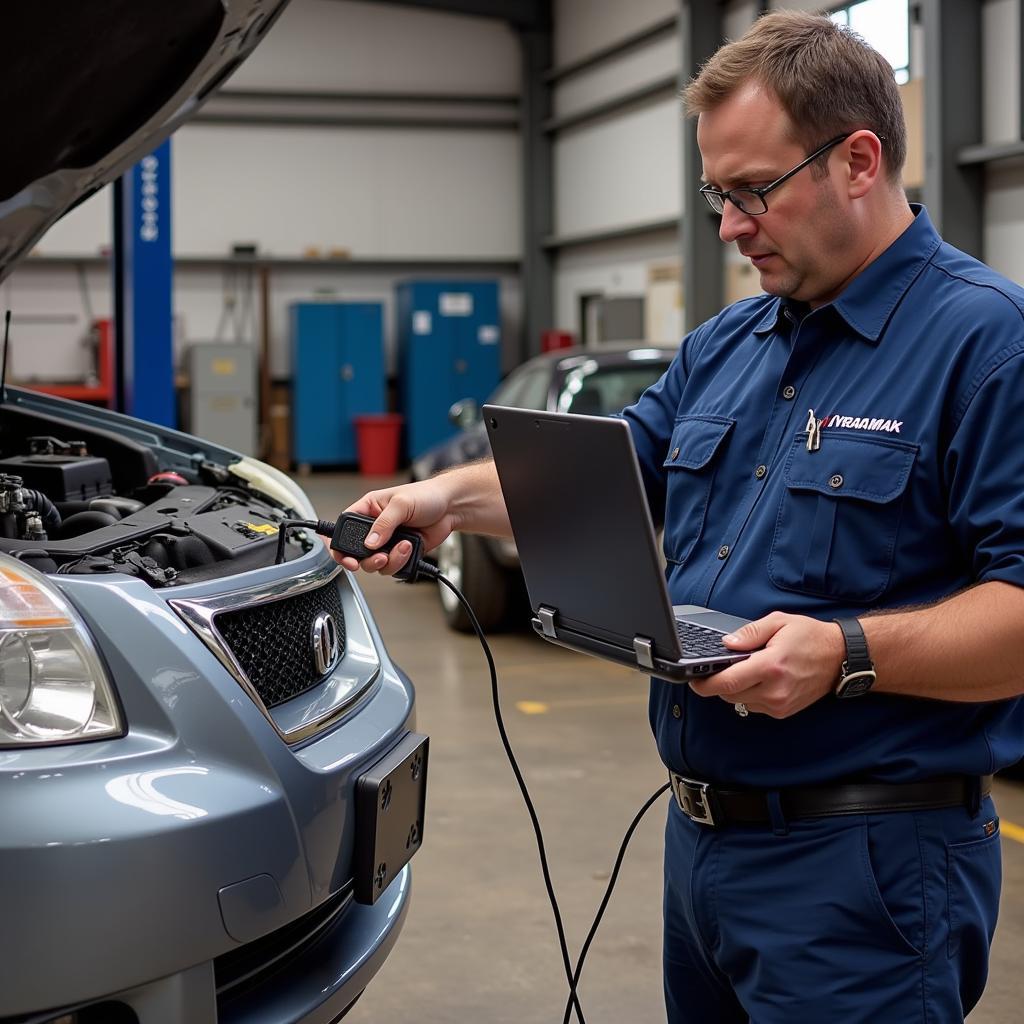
{"x": 694, "y": 799}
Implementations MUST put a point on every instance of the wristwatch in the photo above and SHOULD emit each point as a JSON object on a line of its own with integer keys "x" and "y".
{"x": 857, "y": 675}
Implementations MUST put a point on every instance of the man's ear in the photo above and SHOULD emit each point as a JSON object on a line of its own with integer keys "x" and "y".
{"x": 863, "y": 163}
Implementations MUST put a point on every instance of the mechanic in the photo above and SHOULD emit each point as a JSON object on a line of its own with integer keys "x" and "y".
{"x": 848, "y": 446}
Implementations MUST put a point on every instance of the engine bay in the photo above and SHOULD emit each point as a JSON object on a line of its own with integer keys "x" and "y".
{"x": 90, "y": 502}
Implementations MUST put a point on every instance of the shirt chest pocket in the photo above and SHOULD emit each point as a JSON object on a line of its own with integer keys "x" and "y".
{"x": 839, "y": 516}
{"x": 693, "y": 454}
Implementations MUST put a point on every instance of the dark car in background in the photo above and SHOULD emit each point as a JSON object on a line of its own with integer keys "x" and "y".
{"x": 595, "y": 382}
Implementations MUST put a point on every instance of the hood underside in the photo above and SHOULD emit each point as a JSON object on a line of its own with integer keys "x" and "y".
{"x": 90, "y": 92}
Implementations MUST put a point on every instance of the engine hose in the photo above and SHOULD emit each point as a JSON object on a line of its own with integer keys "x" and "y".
{"x": 39, "y": 502}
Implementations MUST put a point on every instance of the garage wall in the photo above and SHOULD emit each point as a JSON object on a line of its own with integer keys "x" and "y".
{"x": 622, "y": 170}
{"x": 377, "y": 193}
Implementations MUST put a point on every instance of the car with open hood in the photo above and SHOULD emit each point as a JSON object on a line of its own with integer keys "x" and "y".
{"x": 210, "y": 783}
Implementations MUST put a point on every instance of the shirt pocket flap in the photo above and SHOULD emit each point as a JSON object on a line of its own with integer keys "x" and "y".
{"x": 869, "y": 468}
{"x": 695, "y": 439}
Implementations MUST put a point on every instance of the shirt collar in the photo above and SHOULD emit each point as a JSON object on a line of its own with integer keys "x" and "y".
{"x": 869, "y": 299}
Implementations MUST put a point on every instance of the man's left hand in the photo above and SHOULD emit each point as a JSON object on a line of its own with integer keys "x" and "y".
{"x": 799, "y": 664}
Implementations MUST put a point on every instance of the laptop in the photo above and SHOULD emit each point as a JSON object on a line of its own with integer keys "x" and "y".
{"x": 587, "y": 546}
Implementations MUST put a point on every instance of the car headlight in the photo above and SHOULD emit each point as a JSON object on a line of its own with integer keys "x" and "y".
{"x": 53, "y": 687}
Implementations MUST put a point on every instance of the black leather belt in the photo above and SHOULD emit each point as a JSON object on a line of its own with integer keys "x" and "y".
{"x": 713, "y": 805}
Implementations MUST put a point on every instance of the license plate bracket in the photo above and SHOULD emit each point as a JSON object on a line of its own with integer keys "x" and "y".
{"x": 390, "y": 803}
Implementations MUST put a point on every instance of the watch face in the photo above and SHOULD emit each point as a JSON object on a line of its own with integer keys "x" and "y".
{"x": 856, "y": 684}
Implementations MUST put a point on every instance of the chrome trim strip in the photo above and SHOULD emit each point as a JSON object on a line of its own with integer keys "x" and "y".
{"x": 349, "y": 687}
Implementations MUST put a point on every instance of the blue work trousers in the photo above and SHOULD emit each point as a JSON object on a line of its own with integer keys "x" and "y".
{"x": 861, "y": 918}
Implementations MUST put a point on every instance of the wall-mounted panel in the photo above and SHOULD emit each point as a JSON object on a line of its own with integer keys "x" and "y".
{"x": 1000, "y": 70}
{"x": 321, "y": 45}
{"x": 618, "y": 75}
{"x": 622, "y": 170}
{"x": 610, "y": 269}
{"x": 1004, "y": 219}
{"x": 584, "y": 26}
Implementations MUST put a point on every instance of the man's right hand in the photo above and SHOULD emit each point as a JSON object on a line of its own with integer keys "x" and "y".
{"x": 468, "y": 498}
{"x": 424, "y": 506}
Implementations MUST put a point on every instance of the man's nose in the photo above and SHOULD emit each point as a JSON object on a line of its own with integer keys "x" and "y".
{"x": 735, "y": 223}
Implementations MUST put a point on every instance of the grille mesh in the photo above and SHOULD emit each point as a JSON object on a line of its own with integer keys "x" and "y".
{"x": 273, "y": 642}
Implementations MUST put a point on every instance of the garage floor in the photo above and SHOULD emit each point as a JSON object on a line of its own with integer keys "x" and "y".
{"x": 479, "y": 945}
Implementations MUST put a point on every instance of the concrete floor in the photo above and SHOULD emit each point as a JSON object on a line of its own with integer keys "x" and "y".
{"x": 479, "y": 945}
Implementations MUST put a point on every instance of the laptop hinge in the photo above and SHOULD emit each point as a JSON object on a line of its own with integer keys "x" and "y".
{"x": 547, "y": 620}
{"x": 644, "y": 650}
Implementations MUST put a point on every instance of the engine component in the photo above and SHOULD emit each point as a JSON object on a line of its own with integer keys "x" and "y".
{"x": 25, "y": 514}
{"x": 62, "y": 477}
{"x": 84, "y": 522}
{"x": 47, "y": 445}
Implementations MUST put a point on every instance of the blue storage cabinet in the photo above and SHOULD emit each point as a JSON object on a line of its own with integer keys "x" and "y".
{"x": 337, "y": 374}
{"x": 449, "y": 348}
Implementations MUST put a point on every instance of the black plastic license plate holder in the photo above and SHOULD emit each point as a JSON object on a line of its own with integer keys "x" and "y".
{"x": 390, "y": 804}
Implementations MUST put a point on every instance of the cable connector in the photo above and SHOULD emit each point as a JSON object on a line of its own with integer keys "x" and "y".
{"x": 348, "y": 536}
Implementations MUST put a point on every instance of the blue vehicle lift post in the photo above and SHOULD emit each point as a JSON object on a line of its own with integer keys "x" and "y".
{"x": 143, "y": 280}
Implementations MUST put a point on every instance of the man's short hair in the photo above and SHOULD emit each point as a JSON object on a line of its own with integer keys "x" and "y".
{"x": 827, "y": 78}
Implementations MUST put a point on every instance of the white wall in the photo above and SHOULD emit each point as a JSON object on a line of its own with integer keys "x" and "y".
{"x": 583, "y": 26}
{"x": 622, "y": 170}
{"x": 373, "y": 192}
{"x": 1004, "y": 194}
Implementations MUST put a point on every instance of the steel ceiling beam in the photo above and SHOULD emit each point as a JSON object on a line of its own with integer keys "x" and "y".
{"x": 522, "y": 14}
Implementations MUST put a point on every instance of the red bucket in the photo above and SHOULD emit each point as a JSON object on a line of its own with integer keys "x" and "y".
{"x": 377, "y": 438}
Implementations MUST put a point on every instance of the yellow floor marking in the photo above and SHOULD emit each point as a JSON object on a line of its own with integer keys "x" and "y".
{"x": 531, "y": 707}
{"x": 1011, "y": 831}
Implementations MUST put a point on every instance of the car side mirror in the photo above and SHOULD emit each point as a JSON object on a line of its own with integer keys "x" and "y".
{"x": 464, "y": 414}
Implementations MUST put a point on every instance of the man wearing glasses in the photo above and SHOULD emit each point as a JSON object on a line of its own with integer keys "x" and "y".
{"x": 841, "y": 460}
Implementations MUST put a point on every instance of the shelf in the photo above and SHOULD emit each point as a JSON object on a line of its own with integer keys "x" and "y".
{"x": 990, "y": 154}
{"x": 357, "y": 264}
{"x": 613, "y": 234}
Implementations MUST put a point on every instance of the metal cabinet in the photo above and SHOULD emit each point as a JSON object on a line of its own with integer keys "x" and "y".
{"x": 449, "y": 348}
{"x": 337, "y": 374}
{"x": 222, "y": 394}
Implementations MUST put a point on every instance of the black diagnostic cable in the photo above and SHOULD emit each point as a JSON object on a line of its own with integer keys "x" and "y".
{"x": 347, "y": 536}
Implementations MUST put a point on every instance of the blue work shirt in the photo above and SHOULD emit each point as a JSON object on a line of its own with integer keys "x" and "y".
{"x": 916, "y": 492}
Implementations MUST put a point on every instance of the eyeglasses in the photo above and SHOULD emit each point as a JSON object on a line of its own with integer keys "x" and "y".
{"x": 750, "y": 200}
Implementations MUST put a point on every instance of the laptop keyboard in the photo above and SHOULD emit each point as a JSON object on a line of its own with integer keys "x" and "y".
{"x": 699, "y": 641}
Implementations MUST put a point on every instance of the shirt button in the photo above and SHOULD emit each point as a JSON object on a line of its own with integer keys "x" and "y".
{"x": 760, "y": 472}
{"x": 835, "y": 482}
{"x": 675, "y": 454}
{"x": 789, "y": 392}
{"x": 677, "y": 711}
{"x": 723, "y": 551}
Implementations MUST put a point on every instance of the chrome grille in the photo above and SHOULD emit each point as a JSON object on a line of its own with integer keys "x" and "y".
{"x": 273, "y": 642}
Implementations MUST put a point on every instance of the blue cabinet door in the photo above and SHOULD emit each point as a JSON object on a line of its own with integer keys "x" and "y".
{"x": 337, "y": 374}
{"x": 449, "y": 349}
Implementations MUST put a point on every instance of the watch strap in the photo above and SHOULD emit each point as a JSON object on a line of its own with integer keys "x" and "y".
{"x": 858, "y": 673}
{"x": 857, "y": 658}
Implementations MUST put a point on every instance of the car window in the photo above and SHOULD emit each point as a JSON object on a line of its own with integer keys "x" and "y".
{"x": 525, "y": 388}
{"x": 602, "y": 390}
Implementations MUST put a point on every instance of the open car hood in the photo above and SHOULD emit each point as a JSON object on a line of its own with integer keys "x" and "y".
{"x": 92, "y": 89}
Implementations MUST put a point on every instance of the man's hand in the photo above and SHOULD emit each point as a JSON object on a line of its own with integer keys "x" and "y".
{"x": 800, "y": 663}
{"x": 468, "y": 498}
{"x": 423, "y": 506}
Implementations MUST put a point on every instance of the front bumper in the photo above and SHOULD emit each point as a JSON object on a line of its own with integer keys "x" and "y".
{"x": 136, "y": 869}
